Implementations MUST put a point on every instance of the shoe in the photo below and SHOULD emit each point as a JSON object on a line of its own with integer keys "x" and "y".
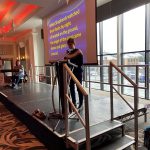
{"x": 16, "y": 86}
{"x": 80, "y": 107}
{"x": 36, "y": 111}
{"x": 71, "y": 114}
{"x": 12, "y": 85}
{"x": 41, "y": 115}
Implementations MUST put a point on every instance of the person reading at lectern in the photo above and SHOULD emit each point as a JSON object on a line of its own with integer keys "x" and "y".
{"x": 75, "y": 56}
{"x": 18, "y": 74}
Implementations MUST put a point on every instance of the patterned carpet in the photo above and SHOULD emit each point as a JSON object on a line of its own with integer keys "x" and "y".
{"x": 14, "y": 135}
{"x": 141, "y": 138}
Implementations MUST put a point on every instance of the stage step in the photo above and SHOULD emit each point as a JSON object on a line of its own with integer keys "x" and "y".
{"x": 77, "y": 138}
{"x": 119, "y": 143}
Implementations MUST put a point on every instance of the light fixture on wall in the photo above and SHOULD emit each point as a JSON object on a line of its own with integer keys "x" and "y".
{"x": 23, "y": 58}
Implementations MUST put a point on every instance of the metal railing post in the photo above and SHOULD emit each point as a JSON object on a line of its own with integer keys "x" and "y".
{"x": 88, "y": 143}
{"x": 147, "y": 82}
{"x": 65, "y": 102}
{"x": 136, "y": 116}
{"x": 137, "y": 75}
{"x": 89, "y": 80}
{"x": 111, "y": 91}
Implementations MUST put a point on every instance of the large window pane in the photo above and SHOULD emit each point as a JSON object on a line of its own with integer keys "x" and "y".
{"x": 106, "y": 78}
{"x": 106, "y": 61}
{"x": 110, "y": 36}
{"x": 108, "y": 58}
{"x": 95, "y": 77}
{"x": 134, "y": 58}
{"x": 130, "y": 70}
{"x": 134, "y": 30}
{"x": 86, "y": 77}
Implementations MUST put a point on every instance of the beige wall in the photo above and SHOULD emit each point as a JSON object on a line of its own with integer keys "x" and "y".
{"x": 38, "y": 46}
{"x": 27, "y": 42}
{"x": 34, "y": 49}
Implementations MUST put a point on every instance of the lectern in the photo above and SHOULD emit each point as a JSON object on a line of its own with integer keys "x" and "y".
{"x": 59, "y": 75}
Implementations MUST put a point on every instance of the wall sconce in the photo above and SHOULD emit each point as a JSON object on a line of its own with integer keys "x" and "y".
{"x": 22, "y": 58}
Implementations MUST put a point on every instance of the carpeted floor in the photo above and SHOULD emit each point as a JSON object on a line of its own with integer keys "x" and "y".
{"x": 14, "y": 135}
{"x": 130, "y": 132}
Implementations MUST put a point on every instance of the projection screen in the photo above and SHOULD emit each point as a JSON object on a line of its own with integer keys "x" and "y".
{"x": 77, "y": 19}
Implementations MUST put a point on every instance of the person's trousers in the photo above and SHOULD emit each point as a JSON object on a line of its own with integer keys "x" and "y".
{"x": 16, "y": 79}
{"x": 72, "y": 89}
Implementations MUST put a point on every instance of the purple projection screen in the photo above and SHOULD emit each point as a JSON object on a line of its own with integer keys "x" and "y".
{"x": 75, "y": 21}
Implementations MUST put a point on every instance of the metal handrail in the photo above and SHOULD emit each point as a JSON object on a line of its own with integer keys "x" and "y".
{"x": 135, "y": 98}
{"x": 133, "y": 65}
{"x": 102, "y": 81}
{"x": 121, "y": 65}
{"x": 91, "y": 81}
{"x": 86, "y": 122}
{"x": 115, "y": 84}
{"x": 123, "y": 98}
{"x": 75, "y": 80}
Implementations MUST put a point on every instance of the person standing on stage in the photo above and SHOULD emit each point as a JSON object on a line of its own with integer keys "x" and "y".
{"x": 75, "y": 56}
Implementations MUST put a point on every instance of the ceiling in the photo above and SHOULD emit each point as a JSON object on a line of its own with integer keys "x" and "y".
{"x": 17, "y": 17}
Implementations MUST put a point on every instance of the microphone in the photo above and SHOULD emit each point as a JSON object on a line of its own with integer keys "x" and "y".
{"x": 70, "y": 50}
{"x": 72, "y": 64}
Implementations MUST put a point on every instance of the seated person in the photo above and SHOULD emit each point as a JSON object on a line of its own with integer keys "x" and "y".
{"x": 19, "y": 74}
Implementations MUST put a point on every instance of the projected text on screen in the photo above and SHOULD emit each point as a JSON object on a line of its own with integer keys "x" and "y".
{"x": 70, "y": 22}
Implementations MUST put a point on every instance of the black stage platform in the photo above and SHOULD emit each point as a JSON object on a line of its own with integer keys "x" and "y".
{"x": 23, "y": 101}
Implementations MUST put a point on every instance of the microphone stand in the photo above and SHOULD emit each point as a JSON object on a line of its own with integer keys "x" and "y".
{"x": 55, "y": 114}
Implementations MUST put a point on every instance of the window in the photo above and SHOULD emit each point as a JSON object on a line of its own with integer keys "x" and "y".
{"x": 134, "y": 30}
{"x": 130, "y": 33}
{"x": 110, "y": 36}
{"x": 135, "y": 59}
